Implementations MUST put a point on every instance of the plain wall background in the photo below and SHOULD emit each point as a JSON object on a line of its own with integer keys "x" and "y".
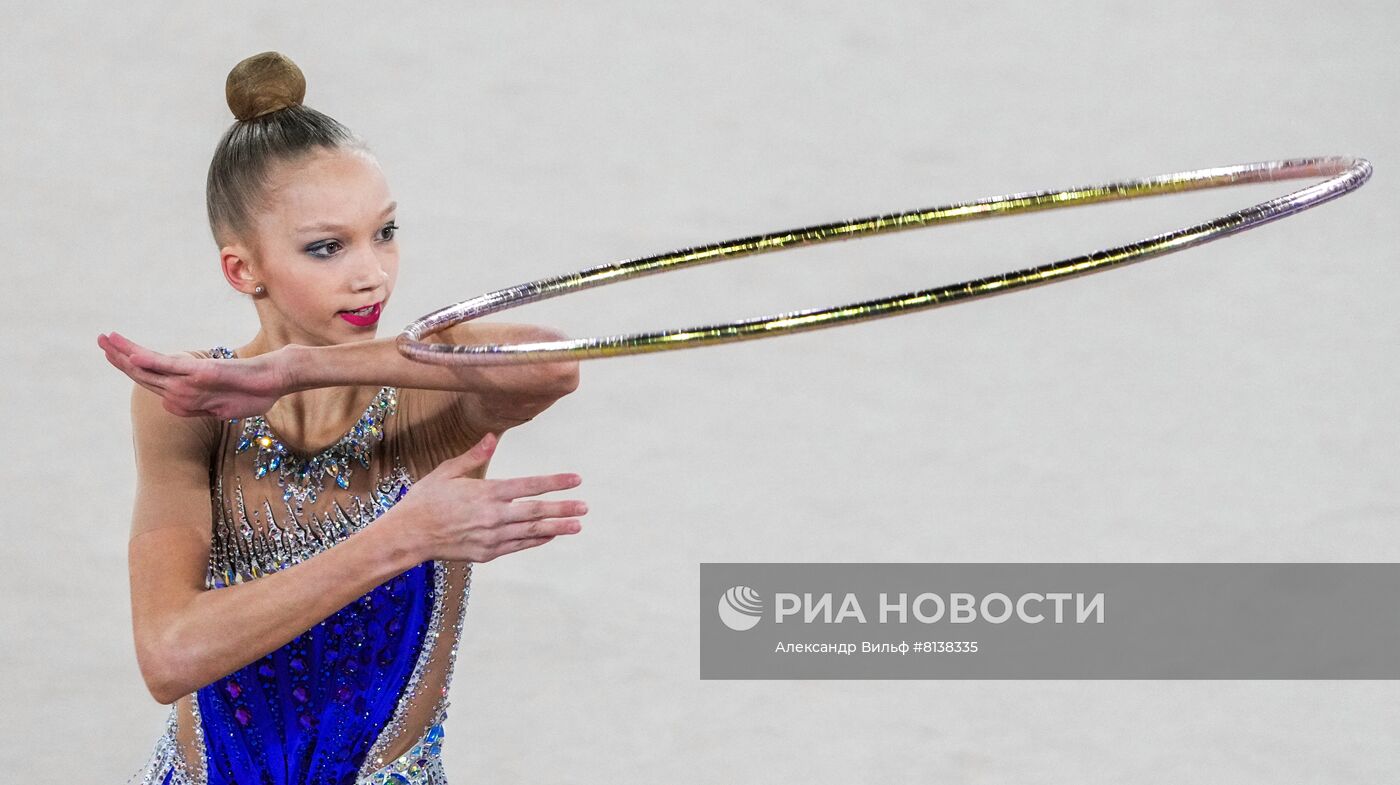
{"x": 1233, "y": 402}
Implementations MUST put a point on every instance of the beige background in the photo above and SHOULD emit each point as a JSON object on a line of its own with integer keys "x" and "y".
{"x": 1231, "y": 403}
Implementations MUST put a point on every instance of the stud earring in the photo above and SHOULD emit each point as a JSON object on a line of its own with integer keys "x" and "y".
{"x": 259, "y": 289}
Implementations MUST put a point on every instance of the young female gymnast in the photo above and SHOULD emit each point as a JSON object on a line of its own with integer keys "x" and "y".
{"x": 310, "y": 504}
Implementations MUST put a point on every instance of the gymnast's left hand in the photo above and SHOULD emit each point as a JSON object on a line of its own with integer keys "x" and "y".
{"x": 199, "y": 387}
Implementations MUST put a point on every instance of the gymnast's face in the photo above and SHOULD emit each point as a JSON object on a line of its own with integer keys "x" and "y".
{"x": 324, "y": 244}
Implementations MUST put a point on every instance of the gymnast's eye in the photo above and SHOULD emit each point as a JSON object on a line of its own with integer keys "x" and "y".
{"x": 329, "y": 244}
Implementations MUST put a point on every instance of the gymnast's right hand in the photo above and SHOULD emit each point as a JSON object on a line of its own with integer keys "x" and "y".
{"x": 453, "y": 516}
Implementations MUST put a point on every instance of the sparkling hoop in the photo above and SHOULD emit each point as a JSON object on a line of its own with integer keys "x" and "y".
{"x": 1344, "y": 173}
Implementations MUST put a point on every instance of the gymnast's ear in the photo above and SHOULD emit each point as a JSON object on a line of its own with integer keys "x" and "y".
{"x": 239, "y": 269}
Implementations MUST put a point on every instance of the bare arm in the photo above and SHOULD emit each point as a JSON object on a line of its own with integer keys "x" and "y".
{"x": 379, "y": 362}
{"x": 496, "y": 397}
{"x": 186, "y": 637}
{"x": 493, "y": 398}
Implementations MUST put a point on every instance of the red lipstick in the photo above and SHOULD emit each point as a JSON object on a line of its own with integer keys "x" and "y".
{"x": 365, "y": 320}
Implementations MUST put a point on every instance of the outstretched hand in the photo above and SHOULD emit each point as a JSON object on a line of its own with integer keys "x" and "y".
{"x": 451, "y": 515}
{"x": 198, "y": 387}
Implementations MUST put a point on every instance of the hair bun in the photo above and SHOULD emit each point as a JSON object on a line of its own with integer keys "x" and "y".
{"x": 264, "y": 83}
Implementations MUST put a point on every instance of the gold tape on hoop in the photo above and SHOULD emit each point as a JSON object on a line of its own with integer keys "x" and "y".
{"x": 1344, "y": 174}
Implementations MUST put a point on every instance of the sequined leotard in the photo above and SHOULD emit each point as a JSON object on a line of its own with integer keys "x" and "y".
{"x": 359, "y": 698}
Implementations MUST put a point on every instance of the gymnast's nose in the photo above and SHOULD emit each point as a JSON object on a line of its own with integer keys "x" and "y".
{"x": 369, "y": 273}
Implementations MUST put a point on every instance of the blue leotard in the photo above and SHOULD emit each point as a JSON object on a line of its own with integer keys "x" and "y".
{"x": 361, "y": 696}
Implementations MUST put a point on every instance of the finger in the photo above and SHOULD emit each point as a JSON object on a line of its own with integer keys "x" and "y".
{"x": 515, "y": 546}
{"x": 147, "y": 359}
{"x": 164, "y": 363}
{"x": 158, "y": 392}
{"x": 112, "y": 351}
{"x": 185, "y": 405}
{"x": 175, "y": 408}
{"x": 122, "y": 342}
{"x": 143, "y": 377}
{"x": 515, "y": 487}
{"x": 534, "y": 510}
{"x": 108, "y": 348}
{"x": 119, "y": 344}
{"x": 155, "y": 390}
{"x": 549, "y": 527}
{"x": 472, "y": 459}
{"x": 152, "y": 360}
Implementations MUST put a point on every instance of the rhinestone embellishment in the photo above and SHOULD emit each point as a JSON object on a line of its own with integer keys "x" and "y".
{"x": 303, "y": 478}
{"x": 247, "y": 545}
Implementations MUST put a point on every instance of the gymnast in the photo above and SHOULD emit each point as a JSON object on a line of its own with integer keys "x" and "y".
{"x": 309, "y": 504}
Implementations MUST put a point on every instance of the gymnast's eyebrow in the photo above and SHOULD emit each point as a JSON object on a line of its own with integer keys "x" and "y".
{"x": 331, "y": 227}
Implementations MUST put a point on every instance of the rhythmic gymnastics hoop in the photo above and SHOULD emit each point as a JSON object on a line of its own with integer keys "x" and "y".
{"x": 1344, "y": 173}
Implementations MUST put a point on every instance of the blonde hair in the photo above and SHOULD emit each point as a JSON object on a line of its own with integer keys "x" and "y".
{"x": 271, "y": 126}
